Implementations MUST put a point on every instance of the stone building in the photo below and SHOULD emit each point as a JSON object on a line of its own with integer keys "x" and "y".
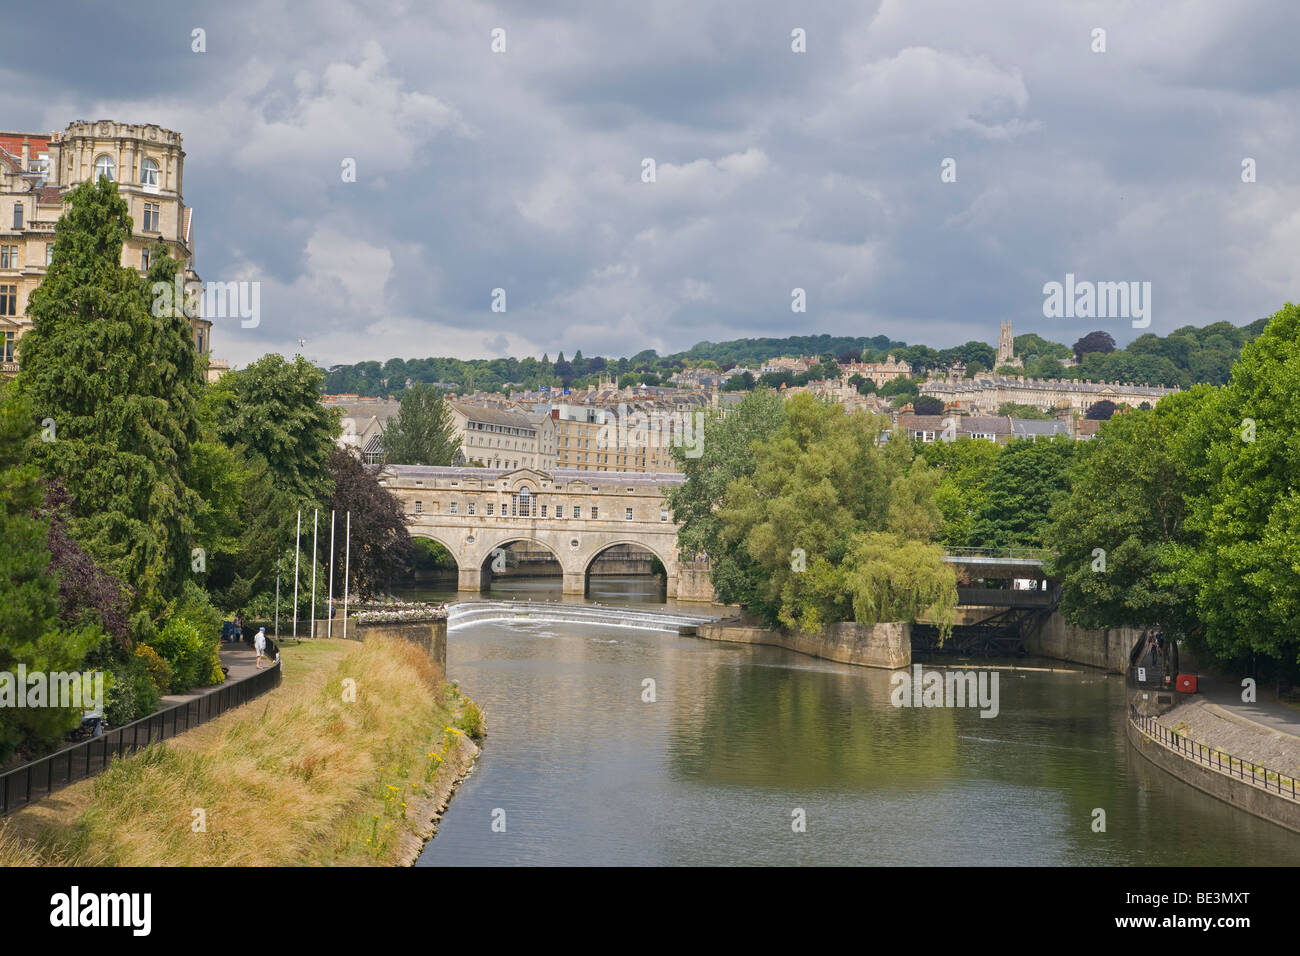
{"x": 987, "y": 393}
{"x": 36, "y": 172}
{"x": 501, "y": 438}
{"x": 878, "y": 372}
{"x": 625, "y": 438}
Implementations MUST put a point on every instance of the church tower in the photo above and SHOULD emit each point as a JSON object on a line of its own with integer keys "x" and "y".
{"x": 1006, "y": 348}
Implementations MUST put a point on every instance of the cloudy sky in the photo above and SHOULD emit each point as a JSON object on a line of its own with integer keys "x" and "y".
{"x": 774, "y": 169}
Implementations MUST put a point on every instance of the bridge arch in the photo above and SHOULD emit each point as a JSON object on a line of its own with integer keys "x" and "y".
{"x": 443, "y": 540}
{"x": 664, "y": 559}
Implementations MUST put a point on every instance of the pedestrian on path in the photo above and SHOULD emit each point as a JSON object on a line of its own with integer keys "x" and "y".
{"x": 259, "y": 645}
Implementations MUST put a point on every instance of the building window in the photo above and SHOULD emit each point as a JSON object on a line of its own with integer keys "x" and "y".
{"x": 198, "y": 341}
{"x": 104, "y": 166}
{"x": 144, "y": 260}
{"x": 577, "y": 511}
{"x": 543, "y": 511}
{"x": 8, "y": 257}
{"x": 525, "y": 503}
{"x": 149, "y": 173}
{"x": 49, "y": 253}
{"x": 627, "y": 514}
{"x": 419, "y": 507}
{"x": 8, "y": 300}
{"x": 490, "y": 507}
{"x": 18, "y": 215}
{"x": 6, "y": 347}
{"x": 663, "y": 514}
{"x": 595, "y": 513}
{"x": 451, "y": 508}
{"x": 469, "y": 508}
{"x": 151, "y": 217}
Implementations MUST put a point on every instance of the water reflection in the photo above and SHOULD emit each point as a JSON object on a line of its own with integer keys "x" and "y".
{"x": 739, "y": 737}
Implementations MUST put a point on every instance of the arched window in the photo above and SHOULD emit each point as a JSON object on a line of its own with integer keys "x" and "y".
{"x": 104, "y": 166}
{"x": 149, "y": 173}
{"x": 525, "y": 506}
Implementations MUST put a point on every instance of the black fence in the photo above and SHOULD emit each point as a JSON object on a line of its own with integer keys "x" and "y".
{"x": 39, "y": 778}
{"x": 1271, "y": 780}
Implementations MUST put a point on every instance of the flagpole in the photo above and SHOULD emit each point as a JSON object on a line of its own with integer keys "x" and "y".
{"x": 297, "y": 547}
{"x": 329, "y": 619}
{"x": 315, "y": 516}
{"x": 347, "y": 567}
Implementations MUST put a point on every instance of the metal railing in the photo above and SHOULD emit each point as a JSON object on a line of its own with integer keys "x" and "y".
{"x": 1029, "y": 554}
{"x": 1274, "y": 781}
{"x": 43, "y": 776}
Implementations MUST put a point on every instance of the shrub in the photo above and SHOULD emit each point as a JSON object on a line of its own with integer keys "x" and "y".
{"x": 471, "y": 721}
{"x": 159, "y": 670}
{"x": 181, "y": 647}
{"x": 129, "y": 693}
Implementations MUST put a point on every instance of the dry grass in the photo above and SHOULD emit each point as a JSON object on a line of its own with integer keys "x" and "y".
{"x": 300, "y": 776}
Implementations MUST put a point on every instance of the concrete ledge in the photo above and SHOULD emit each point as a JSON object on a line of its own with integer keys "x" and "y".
{"x": 1231, "y": 790}
{"x": 887, "y": 645}
{"x": 1107, "y": 649}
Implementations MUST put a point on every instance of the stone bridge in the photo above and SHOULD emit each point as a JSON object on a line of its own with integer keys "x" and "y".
{"x": 575, "y": 515}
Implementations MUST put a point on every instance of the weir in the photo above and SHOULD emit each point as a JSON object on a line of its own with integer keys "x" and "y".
{"x": 481, "y": 612}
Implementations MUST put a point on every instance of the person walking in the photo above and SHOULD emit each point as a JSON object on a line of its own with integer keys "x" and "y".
{"x": 259, "y": 645}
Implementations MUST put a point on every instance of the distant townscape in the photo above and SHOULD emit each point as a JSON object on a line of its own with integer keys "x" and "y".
{"x": 624, "y": 415}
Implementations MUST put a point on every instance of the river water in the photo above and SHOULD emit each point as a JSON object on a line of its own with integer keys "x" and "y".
{"x": 578, "y": 769}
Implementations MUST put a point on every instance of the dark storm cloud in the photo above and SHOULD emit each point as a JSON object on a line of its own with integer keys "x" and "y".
{"x": 776, "y": 170}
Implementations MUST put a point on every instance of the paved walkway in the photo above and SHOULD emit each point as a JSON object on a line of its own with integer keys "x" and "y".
{"x": 241, "y": 661}
{"x": 1264, "y": 732}
{"x": 1226, "y": 693}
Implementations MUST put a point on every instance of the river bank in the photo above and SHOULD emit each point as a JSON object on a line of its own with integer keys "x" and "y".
{"x": 349, "y": 762}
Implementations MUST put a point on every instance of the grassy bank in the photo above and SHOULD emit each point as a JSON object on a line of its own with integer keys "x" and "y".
{"x": 304, "y": 775}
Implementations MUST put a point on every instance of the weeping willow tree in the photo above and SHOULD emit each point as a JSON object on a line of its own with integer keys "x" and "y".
{"x": 838, "y": 525}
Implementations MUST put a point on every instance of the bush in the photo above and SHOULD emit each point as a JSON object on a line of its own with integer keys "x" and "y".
{"x": 181, "y": 647}
{"x": 129, "y": 693}
{"x": 471, "y": 721}
{"x": 195, "y": 609}
{"x": 159, "y": 670}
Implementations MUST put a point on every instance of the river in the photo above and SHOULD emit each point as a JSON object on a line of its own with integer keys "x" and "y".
{"x": 578, "y": 769}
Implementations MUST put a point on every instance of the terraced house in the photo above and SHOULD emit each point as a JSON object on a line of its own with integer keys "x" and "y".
{"x": 38, "y": 169}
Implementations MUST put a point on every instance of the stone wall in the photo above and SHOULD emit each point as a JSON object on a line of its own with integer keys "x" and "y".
{"x": 886, "y": 645}
{"x": 1238, "y": 793}
{"x": 431, "y": 635}
{"x": 694, "y": 584}
{"x": 1108, "y": 649}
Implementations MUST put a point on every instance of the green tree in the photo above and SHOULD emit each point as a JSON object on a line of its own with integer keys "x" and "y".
{"x": 273, "y": 408}
{"x": 726, "y": 454}
{"x": 830, "y": 513}
{"x": 1119, "y": 529}
{"x": 1246, "y": 562}
{"x": 30, "y": 634}
{"x": 1027, "y": 478}
{"x": 964, "y": 468}
{"x": 380, "y": 542}
{"x": 928, "y": 405}
{"x": 112, "y": 367}
{"x": 1016, "y": 410}
{"x": 424, "y": 431}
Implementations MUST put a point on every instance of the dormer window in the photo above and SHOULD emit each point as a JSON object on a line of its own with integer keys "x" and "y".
{"x": 104, "y": 166}
{"x": 149, "y": 173}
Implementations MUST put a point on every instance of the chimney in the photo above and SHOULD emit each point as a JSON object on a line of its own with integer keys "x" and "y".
{"x": 27, "y": 153}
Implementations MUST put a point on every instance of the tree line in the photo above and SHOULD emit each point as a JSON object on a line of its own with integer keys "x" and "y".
{"x": 1183, "y": 516}
{"x": 139, "y": 504}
